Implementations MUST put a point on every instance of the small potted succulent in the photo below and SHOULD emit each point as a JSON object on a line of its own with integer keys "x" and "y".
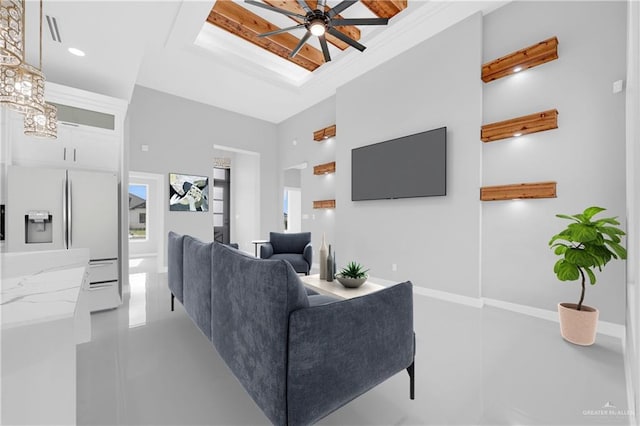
{"x": 353, "y": 275}
{"x": 585, "y": 244}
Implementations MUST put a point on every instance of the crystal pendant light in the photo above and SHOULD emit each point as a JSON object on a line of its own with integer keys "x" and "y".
{"x": 11, "y": 32}
{"x": 42, "y": 124}
{"x": 22, "y": 87}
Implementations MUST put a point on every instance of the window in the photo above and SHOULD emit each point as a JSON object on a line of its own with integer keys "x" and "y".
{"x": 138, "y": 212}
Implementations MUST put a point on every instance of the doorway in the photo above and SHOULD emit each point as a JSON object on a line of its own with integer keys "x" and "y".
{"x": 292, "y": 197}
{"x": 222, "y": 205}
{"x": 292, "y": 210}
{"x": 146, "y": 216}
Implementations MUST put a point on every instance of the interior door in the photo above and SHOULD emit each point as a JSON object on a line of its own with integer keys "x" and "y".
{"x": 221, "y": 205}
{"x": 93, "y": 213}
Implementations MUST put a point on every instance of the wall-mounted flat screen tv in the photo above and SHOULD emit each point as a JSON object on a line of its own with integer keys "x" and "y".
{"x": 406, "y": 167}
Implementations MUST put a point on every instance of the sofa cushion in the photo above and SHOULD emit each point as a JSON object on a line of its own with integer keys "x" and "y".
{"x": 289, "y": 242}
{"x": 251, "y": 301}
{"x": 320, "y": 299}
{"x": 197, "y": 282}
{"x": 174, "y": 264}
{"x": 296, "y": 260}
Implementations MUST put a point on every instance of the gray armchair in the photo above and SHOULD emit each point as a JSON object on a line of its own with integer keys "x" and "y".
{"x": 295, "y": 248}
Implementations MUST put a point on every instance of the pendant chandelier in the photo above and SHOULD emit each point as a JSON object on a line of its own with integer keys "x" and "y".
{"x": 22, "y": 86}
{"x": 43, "y": 123}
{"x": 11, "y": 32}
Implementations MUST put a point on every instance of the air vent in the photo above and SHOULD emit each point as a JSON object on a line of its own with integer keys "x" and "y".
{"x": 52, "y": 22}
{"x": 78, "y": 116}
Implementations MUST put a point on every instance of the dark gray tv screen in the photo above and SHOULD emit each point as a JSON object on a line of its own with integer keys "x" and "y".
{"x": 406, "y": 167}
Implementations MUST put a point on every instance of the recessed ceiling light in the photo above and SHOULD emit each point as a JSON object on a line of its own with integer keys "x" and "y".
{"x": 75, "y": 51}
{"x": 517, "y": 69}
{"x": 517, "y": 135}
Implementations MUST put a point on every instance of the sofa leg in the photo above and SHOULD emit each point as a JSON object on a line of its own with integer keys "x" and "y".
{"x": 411, "y": 371}
{"x": 172, "y": 297}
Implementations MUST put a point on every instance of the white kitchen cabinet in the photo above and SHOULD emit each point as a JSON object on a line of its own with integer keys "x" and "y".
{"x": 77, "y": 146}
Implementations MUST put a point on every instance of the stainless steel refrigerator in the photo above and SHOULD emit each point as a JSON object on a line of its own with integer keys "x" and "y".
{"x": 58, "y": 209}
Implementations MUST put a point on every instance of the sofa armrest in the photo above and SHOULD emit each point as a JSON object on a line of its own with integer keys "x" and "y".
{"x": 308, "y": 254}
{"x": 340, "y": 350}
{"x": 266, "y": 251}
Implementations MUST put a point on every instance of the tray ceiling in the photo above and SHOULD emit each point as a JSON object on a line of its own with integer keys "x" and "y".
{"x": 247, "y": 21}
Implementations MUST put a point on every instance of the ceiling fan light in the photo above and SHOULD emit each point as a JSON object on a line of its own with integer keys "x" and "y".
{"x": 317, "y": 28}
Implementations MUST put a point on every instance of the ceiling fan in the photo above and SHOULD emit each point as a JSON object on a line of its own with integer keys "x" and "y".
{"x": 319, "y": 22}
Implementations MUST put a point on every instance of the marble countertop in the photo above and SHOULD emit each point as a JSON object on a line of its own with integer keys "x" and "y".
{"x": 41, "y": 286}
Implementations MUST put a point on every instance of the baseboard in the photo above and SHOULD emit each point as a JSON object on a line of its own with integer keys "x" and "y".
{"x": 449, "y": 297}
{"x": 141, "y": 255}
{"x": 604, "y": 327}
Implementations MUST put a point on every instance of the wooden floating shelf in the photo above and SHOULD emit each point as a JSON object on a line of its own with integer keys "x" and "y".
{"x": 524, "y": 125}
{"x": 520, "y": 190}
{"x": 323, "y": 169}
{"x": 326, "y": 133}
{"x": 324, "y": 204}
{"x": 521, "y": 60}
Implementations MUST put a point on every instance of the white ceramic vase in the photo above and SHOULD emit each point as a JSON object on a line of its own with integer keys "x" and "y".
{"x": 323, "y": 259}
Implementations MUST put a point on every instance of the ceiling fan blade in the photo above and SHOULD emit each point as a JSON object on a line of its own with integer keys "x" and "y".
{"x": 322, "y": 4}
{"x": 281, "y": 30}
{"x": 303, "y": 40}
{"x": 340, "y": 7}
{"x": 325, "y": 48}
{"x": 359, "y": 21}
{"x": 346, "y": 39}
{"x": 274, "y": 9}
{"x": 303, "y": 4}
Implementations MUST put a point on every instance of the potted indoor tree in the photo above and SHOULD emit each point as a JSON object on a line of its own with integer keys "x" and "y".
{"x": 584, "y": 245}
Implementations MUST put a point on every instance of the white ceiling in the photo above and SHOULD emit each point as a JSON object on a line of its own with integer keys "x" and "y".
{"x": 167, "y": 46}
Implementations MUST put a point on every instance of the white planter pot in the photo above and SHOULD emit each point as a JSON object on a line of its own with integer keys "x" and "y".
{"x": 578, "y": 327}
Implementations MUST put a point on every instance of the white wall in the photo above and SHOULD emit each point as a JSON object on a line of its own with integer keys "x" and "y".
{"x": 457, "y": 244}
{"x": 434, "y": 241}
{"x": 633, "y": 200}
{"x": 300, "y": 129}
{"x": 245, "y": 200}
{"x": 181, "y": 135}
{"x": 585, "y": 155}
{"x": 292, "y": 178}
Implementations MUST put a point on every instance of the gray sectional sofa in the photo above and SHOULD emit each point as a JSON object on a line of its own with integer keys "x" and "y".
{"x": 299, "y": 355}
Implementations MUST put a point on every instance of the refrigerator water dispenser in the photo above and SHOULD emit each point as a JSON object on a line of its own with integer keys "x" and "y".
{"x": 37, "y": 227}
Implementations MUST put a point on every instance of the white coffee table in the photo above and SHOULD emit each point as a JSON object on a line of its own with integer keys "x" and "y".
{"x": 335, "y": 289}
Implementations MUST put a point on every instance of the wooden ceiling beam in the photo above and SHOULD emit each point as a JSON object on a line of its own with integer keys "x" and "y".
{"x": 293, "y": 6}
{"x": 385, "y": 8}
{"x": 243, "y": 23}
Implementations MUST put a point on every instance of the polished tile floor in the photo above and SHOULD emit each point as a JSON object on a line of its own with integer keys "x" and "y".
{"x": 147, "y": 365}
